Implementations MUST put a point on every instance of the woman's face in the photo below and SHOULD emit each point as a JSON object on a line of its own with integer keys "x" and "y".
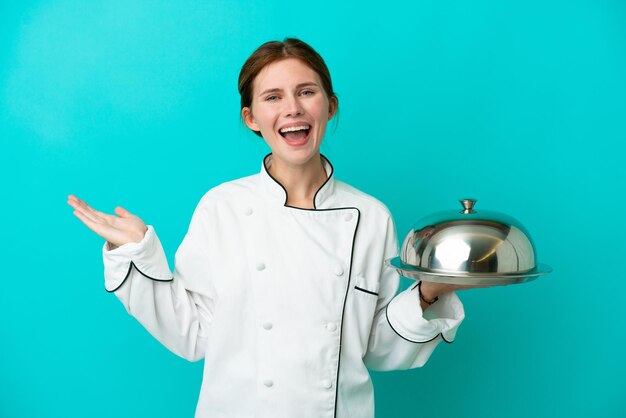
{"x": 291, "y": 109}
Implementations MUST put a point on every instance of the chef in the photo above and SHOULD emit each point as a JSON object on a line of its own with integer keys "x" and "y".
{"x": 280, "y": 283}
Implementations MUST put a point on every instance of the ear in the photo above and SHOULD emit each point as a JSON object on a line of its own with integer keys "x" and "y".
{"x": 248, "y": 119}
{"x": 333, "y": 104}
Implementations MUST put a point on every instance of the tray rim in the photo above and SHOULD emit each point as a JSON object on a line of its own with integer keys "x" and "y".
{"x": 411, "y": 272}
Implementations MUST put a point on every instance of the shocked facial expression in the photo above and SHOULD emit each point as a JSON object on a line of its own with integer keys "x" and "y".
{"x": 290, "y": 109}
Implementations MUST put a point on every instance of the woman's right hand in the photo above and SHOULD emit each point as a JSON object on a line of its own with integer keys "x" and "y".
{"x": 117, "y": 230}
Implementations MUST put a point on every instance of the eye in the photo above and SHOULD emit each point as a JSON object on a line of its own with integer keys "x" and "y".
{"x": 271, "y": 98}
{"x": 307, "y": 93}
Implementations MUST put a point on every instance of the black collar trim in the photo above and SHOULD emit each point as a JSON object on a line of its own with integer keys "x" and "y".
{"x": 324, "y": 159}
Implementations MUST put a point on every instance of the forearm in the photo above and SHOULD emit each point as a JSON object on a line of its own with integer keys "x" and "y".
{"x": 167, "y": 311}
{"x": 404, "y": 336}
{"x": 140, "y": 277}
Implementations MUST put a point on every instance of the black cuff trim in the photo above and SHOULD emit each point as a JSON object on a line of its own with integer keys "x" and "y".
{"x": 366, "y": 291}
{"x": 410, "y": 340}
{"x": 130, "y": 268}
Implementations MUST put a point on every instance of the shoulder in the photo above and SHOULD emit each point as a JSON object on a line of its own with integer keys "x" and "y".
{"x": 231, "y": 192}
{"x": 351, "y": 196}
{"x": 375, "y": 219}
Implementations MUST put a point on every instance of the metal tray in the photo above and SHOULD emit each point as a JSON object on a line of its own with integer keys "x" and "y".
{"x": 468, "y": 279}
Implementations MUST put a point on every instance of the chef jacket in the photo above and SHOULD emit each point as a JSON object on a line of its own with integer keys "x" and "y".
{"x": 288, "y": 307}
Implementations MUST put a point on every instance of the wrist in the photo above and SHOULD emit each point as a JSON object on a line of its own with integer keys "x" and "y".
{"x": 427, "y": 294}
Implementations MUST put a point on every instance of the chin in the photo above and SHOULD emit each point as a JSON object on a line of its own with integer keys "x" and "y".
{"x": 296, "y": 156}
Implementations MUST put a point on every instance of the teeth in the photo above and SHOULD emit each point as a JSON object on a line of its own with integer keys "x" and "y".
{"x": 294, "y": 128}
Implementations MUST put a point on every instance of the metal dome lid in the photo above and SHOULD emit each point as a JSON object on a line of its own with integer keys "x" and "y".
{"x": 469, "y": 248}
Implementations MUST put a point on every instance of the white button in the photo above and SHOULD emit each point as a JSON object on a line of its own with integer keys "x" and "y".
{"x": 268, "y": 383}
{"x": 260, "y": 266}
{"x": 327, "y": 384}
{"x": 339, "y": 271}
{"x": 248, "y": 211}
{"x": 267, "y": 325}
{"x": 348, "y": 217}
{"x": 331, "y": 327}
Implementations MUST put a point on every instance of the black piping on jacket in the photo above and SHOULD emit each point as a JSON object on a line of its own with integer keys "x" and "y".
{"x": 132, "y": 264}
{"x": 366, "y": 291}
{"x": 332, "y": 170}
{"x": 343, "y": 310}
{"x": 345, "y": 299}
{"x": 408, "y": 339}
{"x": 130, "y": 268}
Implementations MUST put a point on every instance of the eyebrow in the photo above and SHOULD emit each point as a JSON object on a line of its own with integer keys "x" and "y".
{"x": 299, "y": 86}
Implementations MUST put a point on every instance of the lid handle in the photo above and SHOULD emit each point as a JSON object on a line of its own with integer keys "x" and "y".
{"x": 468, "y": 205}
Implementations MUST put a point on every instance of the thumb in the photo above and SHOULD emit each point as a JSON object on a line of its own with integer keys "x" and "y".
{"x": 122, "y": 213}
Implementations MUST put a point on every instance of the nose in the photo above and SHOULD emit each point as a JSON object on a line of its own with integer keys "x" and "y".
{"x": 293, "y": 107}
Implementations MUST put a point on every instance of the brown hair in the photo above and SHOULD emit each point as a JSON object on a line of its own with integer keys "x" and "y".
{"x": 274, "y": 51}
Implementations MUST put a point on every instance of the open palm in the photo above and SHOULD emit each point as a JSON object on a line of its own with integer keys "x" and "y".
{"x": 117, "y": 230}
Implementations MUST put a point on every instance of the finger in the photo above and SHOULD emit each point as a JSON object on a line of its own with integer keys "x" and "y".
{"x": 103, "y": 230}
{"x": 110, "y": 219}
{"x": 86, "y": 206}
{"x": 73, "y": 201}
{"x": 122, "y": 213}
{"x": 99, "y": 214}
{"x": 95, "y": 214}
{"x": 88, "y": 222}
{"x": 88, "y": 214}
{"x": 73, "y": 197}
{"x": 76, "y": 202}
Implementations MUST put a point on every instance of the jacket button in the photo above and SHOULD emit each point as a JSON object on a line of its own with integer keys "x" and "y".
{"x": 260, "y": 266}
{"x": 268, "y": 383}
{"x": 348, "y": 217}
{"x": 248, "y": 211}
{"x": 327, "y": 384}
{"x": 330, "y": 327}
{"x": 267, "y": 325}
{"x": 339, "y": 271}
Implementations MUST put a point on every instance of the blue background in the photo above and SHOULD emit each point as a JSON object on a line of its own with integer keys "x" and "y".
{"x": 521, "y": 104}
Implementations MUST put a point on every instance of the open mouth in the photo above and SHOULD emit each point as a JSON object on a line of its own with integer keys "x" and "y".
{"x": 296, "y": 134}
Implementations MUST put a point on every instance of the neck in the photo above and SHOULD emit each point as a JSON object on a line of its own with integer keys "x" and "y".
{"x": 300, "y": 181}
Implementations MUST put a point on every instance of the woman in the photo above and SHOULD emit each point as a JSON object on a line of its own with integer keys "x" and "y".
{"x": 280, "y": 283}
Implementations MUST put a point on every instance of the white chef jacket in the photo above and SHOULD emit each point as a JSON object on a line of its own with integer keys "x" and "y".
{"x": 287, "y": 306}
